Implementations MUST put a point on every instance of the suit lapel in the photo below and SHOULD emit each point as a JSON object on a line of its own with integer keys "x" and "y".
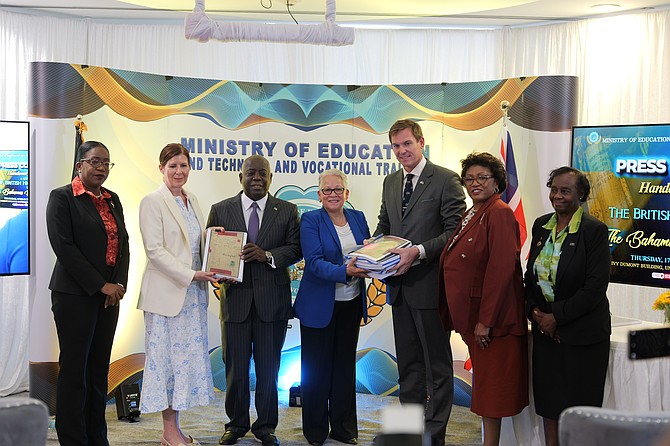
{"x": 169, "y": 200}
{"x": 269, "y": 214}
{"x": 120, "y": 231}
{"x": 536, "y": 248}
{"x": 396, "y": 184}
{"x": 196, "y": 209}
{"x": 351, "y": 220}
{"x": 568, "y": 249}
{"x": 236, "y": 215}
{"x": 328, "y": 223}
{"x": 355, "y": 227}
{"x": 421, "y": 186}
{"x": 89, "y": 206}
{"x": 475, "y": 220}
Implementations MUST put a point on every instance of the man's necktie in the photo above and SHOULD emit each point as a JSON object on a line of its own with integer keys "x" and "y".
{"x": 407, "y": 192}
{"x": 252, "y": 232}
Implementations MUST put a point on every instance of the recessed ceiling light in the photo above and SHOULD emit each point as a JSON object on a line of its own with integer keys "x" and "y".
{"x": 606, "y": 7}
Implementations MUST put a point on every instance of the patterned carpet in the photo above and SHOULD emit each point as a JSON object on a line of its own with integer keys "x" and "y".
{"x": 207, "y": 424}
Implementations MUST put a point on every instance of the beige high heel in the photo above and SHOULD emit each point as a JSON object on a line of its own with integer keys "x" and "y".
{"x": 193, "y": 442}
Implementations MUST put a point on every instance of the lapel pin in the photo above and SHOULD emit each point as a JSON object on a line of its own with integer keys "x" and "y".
{"x": 470, "y": 239}
{"x": 572, "y": 244}
{"x": 420, "y": 182}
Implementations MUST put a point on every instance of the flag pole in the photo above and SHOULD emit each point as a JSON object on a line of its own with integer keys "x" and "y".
{"x": 512, "y": 195}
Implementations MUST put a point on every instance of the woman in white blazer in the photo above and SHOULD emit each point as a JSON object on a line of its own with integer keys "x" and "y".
{"x": 177, "y": 371}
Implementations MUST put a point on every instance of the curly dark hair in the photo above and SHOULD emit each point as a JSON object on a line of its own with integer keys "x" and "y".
{"x": 485, "y": 159}
{"x": 582, "y": 183}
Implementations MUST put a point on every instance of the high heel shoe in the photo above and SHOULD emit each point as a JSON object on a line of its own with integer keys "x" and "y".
{"x": 193, "y": 442}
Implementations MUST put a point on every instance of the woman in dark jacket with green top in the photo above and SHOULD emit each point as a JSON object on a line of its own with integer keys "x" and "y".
{"x": 566, "y": 283}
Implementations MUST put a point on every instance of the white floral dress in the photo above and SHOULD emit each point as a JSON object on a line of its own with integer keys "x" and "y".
{"x": 177, "y": 370}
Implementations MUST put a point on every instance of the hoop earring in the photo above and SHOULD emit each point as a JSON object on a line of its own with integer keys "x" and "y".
{"x": 497, "y": 190}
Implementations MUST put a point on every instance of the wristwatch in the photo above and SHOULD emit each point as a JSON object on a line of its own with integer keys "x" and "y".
{"x": 268, "y": 256}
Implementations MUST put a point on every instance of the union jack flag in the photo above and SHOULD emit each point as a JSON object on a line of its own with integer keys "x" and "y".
{"x": 512, "y": 195}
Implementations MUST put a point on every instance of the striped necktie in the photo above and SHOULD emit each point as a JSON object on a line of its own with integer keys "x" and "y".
{"x": 407, "y": 192}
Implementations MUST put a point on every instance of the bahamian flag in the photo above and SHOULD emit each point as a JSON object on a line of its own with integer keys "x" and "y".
{"x": 512, "y": 195}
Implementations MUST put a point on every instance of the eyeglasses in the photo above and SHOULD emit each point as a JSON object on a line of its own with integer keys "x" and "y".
{"x": 481, "y": 179}
{"x": 337, "y": 190}
{"x": 96, "y": 162}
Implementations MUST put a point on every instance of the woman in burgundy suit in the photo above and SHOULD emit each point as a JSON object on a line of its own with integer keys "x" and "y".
{"x": 482, "y": 297}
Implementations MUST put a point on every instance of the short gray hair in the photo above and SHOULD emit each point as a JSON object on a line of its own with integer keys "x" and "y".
{"x": 335, "y": 173}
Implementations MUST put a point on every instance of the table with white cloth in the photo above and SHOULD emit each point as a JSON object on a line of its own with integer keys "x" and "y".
{"x": 641, "y": 385}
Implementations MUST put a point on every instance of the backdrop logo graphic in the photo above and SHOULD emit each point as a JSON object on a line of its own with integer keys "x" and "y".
{"x": 593, "y": 138}
{"x": 305, "y": 199}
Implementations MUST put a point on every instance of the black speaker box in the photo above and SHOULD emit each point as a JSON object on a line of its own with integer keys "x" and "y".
{"x": 128, "y": 402}
{"x": 295, "y": 396}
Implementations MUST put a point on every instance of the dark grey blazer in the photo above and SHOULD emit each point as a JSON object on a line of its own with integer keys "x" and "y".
{"x": 269, "y": 288}
{"x": 433, "y": 213}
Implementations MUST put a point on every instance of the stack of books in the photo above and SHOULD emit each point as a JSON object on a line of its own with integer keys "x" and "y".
{"x": 375, "y": 258}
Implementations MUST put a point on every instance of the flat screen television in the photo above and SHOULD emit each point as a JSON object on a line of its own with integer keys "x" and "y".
{"x": 627, "y": 166}
{"x": 14, "y": 198}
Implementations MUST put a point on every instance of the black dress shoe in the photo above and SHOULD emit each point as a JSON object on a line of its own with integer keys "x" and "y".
{"x": 352, "y": 440}
{"x": 230, "y": 437}
{"x": 268, "y": 440}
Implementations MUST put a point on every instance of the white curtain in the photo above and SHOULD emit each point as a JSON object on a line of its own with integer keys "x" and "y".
{"x": 623, "y": 63}
{"x": 14, "y": 330}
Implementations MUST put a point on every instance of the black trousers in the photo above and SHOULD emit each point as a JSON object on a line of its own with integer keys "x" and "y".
{"x": 328, "y": 383}
{"x": 85, "y": 334}
{"x": 425, "y": 365}
{"x": 263, "y": 340}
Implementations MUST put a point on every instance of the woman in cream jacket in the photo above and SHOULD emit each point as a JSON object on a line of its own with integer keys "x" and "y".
{"x": 177, "y": 371}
